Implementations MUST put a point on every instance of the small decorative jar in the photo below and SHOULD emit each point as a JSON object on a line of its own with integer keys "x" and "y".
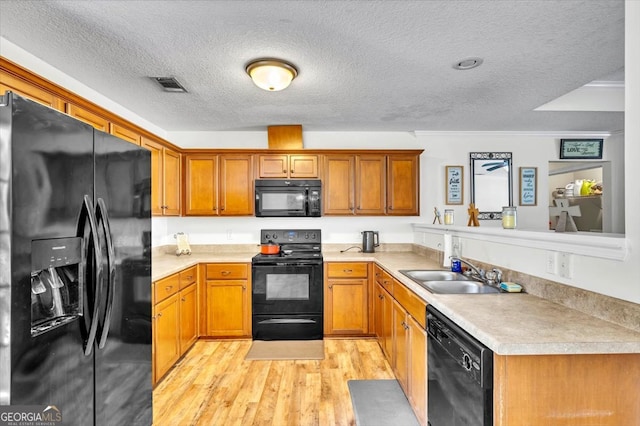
{"x": 509, "y": 217}
{"x": 448, "y": 217}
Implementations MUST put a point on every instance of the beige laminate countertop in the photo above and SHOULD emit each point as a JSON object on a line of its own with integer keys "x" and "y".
{"x": 509, "y": 324}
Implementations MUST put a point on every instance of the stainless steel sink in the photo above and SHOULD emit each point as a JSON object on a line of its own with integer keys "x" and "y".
{"x": 447, "y": 282}
{"x": 434, "y": 275}
{"x": 458, "y": 287}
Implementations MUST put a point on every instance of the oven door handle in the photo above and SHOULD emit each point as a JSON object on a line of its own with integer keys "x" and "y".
{"x": 287, "y": 321}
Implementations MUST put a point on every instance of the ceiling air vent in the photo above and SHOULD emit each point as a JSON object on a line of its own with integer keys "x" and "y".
{"x": 169, "y": 84}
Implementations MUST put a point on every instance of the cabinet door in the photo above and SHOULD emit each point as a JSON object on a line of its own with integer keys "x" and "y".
{"x": 346, "y": 306}
{"x": 156, "y": 175}
{"x": 402, "y": 185}
{"x": 303, "y": 166}
{"x": 273, "y": 166}
{"x": 227, "y": 308}
{"x": 418, "y": 369}
{"x": 236, "y": 185}
{"x": 26, "y": 90}
{"x": 201, "y": 185}
{"x": 338, "y": 184}
{"x": 167, "y": 332}
{"x": 125, "y": 134}
{"x": 387, "y": 325}
{"x": 188, "y": 318}
{"x": 171, "y": 179}
{"x": 88, "y": 117}
{"x": 400, "y": 357}
{"x": 370, "y": 184}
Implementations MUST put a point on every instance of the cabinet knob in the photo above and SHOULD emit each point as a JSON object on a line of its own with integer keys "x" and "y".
{"x": 183, "y": 299}
{"x": 159, "y": 314}
{"x": 225, "y": 273}
{"x": 347, "y": 271}
{"x": 168, "y": 288}
{"x": 244, "y": 287}
{"x": 331, "y": 287}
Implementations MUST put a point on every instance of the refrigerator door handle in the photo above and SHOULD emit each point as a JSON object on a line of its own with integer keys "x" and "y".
{"x": 87, "y": 213}
{"x": 101, "y": 213}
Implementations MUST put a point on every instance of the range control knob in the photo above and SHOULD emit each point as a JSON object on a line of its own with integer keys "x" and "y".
{"x": 275, "y": 236}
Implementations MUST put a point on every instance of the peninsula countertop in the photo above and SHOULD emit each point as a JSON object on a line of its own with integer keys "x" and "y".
{"x": 508, "y": 323}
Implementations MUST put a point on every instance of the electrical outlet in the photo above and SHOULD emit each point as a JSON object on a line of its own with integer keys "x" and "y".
{"x": 456, "y": 246}
{"x": 565, "y": 265}
{"x": 552, "y": 262}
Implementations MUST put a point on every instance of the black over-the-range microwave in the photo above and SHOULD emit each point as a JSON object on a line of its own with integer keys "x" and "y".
{"x": 288, "y": 197}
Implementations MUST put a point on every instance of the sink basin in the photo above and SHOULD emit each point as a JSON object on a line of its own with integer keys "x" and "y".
{"x": 458, "y": 287}
{"x": 434, "y": 275}
{"x": 447, "y": 282}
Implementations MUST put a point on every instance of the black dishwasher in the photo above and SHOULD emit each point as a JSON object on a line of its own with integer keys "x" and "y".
{"x": 460, "y": 375}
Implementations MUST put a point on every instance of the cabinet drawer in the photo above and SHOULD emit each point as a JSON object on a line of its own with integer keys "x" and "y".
{"x": 415, "y": 306}
{"x": 166, "y": 287}
{"x": 188, "y": 276}
{"x": 347, "y": 269}
{"x": 227, "y": 271}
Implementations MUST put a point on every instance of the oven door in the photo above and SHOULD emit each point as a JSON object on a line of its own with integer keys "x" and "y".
{"x": 287, "y": 288}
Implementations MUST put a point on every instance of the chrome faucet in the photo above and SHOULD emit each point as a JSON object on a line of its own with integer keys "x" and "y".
{"x": 491, "y": 277}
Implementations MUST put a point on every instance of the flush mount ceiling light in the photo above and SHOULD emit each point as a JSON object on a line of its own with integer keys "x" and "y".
{"x": 271, "y": 74}
{"x": 467, "y": 64}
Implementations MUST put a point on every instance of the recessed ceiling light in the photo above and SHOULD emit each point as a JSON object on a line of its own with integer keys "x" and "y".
{"x": 467, "y": 64}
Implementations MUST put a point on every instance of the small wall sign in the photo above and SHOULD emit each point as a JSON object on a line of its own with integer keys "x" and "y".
{"x": 454, "y": 176}
{"x": 528, "y": 186}
{"x": 581, "y": 149}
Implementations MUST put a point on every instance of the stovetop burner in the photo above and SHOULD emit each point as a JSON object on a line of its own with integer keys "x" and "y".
{"x": 295, "y": 244}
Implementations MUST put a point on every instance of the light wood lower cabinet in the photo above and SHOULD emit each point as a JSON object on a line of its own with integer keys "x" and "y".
{"x": 166, "y": 330}
{"x": 346, "y": 303}
{"x": 564, "y": 390}
{"x": 175, "y": 315}
{"x": 228, "y": 300}
{"x": 399, "y": 317}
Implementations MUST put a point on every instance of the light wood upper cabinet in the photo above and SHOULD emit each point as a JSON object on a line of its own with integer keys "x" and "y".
{"x": 125, "y": 134}
{"x": 339, "y": 184}
{"x": 402, "y": 185}
{"x": 29, "y": 91}
{"x": 370, "y": 184}
{"x": 287, "y": 166}
{"x": 218, "y": 185}
{"x": 354, "y": 184}
{"x": 236, "y": 185}
{"x": 165, "y": 179}
{"x": 88, "y": 117}
{"x": 201, "y": 185}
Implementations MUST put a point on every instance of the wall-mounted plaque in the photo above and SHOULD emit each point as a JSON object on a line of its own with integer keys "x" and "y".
{"x": 581, "y": 149}
{"x": 454, "y": 176}
{"x": 528, "y": 186}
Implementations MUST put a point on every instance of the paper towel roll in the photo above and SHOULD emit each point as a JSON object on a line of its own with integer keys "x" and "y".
{"x": 448, "y": 245}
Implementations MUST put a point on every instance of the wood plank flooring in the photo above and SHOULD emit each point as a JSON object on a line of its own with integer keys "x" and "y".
{"x": 214, "y": 385}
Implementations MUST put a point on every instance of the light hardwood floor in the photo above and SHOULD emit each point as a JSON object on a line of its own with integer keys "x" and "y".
{"x": 214, "y": 385}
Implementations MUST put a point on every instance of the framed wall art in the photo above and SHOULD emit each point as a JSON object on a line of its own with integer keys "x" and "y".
{"x": 454, "y": 187}
{"x": 581, "y": 149}
{"x": 528, "y": 186}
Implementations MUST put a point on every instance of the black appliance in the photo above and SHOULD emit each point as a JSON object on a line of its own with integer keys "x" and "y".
{"x": 460, "y": 375}
{"x": 288, "y": 197}
{"x": 287, "y": 296}
{"x": 72, "y": 214}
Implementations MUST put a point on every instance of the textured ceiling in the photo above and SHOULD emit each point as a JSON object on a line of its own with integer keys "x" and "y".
{"x": 363, "y": 65}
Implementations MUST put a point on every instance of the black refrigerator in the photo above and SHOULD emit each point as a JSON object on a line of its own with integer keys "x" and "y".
{"x": 75, "y": 271}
